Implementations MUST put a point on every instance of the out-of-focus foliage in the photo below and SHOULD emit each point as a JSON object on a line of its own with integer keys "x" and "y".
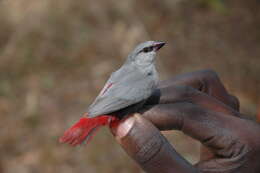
{"x": 218, "y": 5}
{"x": 56, "y": 55}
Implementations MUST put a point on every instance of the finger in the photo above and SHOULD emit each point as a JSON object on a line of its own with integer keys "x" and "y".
{"x": 212, "y": 129}
{"x": 184, "y": 94}
{"x": 206, "y": 81}
{"x": 232, "y": 140}
{"x": 173, "y": 94}
{"x": 165, "y": 117}
{"x": 148, "y": 147}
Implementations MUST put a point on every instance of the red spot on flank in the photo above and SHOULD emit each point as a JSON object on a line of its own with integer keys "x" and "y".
{"x": 106, "y": 88}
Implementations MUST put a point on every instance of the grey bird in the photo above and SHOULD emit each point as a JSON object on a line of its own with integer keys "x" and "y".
{"x": 132, "y": 83}
{"x": 125, "y": 91}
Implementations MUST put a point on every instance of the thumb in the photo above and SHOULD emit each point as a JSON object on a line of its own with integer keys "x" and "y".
{"x": 148, "y": 147}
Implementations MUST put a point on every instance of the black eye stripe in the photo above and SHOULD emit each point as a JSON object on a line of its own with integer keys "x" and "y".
{"x": 148, "y": 49}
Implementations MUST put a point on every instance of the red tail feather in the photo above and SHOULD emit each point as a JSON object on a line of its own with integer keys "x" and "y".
{"x": 84, "y": 129}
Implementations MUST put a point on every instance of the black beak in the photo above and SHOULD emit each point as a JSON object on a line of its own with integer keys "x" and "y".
{"x": 158, "y": 45}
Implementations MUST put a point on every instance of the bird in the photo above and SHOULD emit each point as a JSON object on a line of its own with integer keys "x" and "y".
{"x": 126, "y": 90}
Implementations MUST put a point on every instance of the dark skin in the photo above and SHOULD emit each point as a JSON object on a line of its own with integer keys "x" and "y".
{"x": 198, "y": 105}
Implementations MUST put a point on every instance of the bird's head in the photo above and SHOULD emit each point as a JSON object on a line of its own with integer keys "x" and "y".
{"x": 144, "y": 53}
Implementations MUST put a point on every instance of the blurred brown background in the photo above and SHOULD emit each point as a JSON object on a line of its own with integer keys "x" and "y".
{"x": 55, "y": 56}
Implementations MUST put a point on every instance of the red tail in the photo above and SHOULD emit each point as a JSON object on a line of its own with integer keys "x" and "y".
{"x": 84, "y": 129}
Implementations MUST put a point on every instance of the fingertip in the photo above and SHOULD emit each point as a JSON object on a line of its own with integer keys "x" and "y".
{"x": 121, "y": 128}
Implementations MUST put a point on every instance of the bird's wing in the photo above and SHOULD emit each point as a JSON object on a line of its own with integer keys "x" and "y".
{"x": 124, "y": 88}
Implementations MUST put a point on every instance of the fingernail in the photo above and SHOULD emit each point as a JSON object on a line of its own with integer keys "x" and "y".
{"x": 124, "y": 127}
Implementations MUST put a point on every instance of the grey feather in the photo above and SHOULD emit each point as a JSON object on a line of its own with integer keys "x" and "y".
{"x": 132, "y": 83}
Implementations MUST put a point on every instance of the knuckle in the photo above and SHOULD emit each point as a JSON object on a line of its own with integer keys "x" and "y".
{"x": 150, "y": 149}
{"x": 188, "y": 92}
{"x": 209, "y": 73}
{"x": 235, "y": 101}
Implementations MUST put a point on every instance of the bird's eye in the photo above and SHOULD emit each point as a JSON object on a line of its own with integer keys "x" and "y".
{"x": 147, "y": 49}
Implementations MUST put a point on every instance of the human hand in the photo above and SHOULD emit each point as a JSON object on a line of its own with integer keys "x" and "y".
{"x": 197, "y": 104}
